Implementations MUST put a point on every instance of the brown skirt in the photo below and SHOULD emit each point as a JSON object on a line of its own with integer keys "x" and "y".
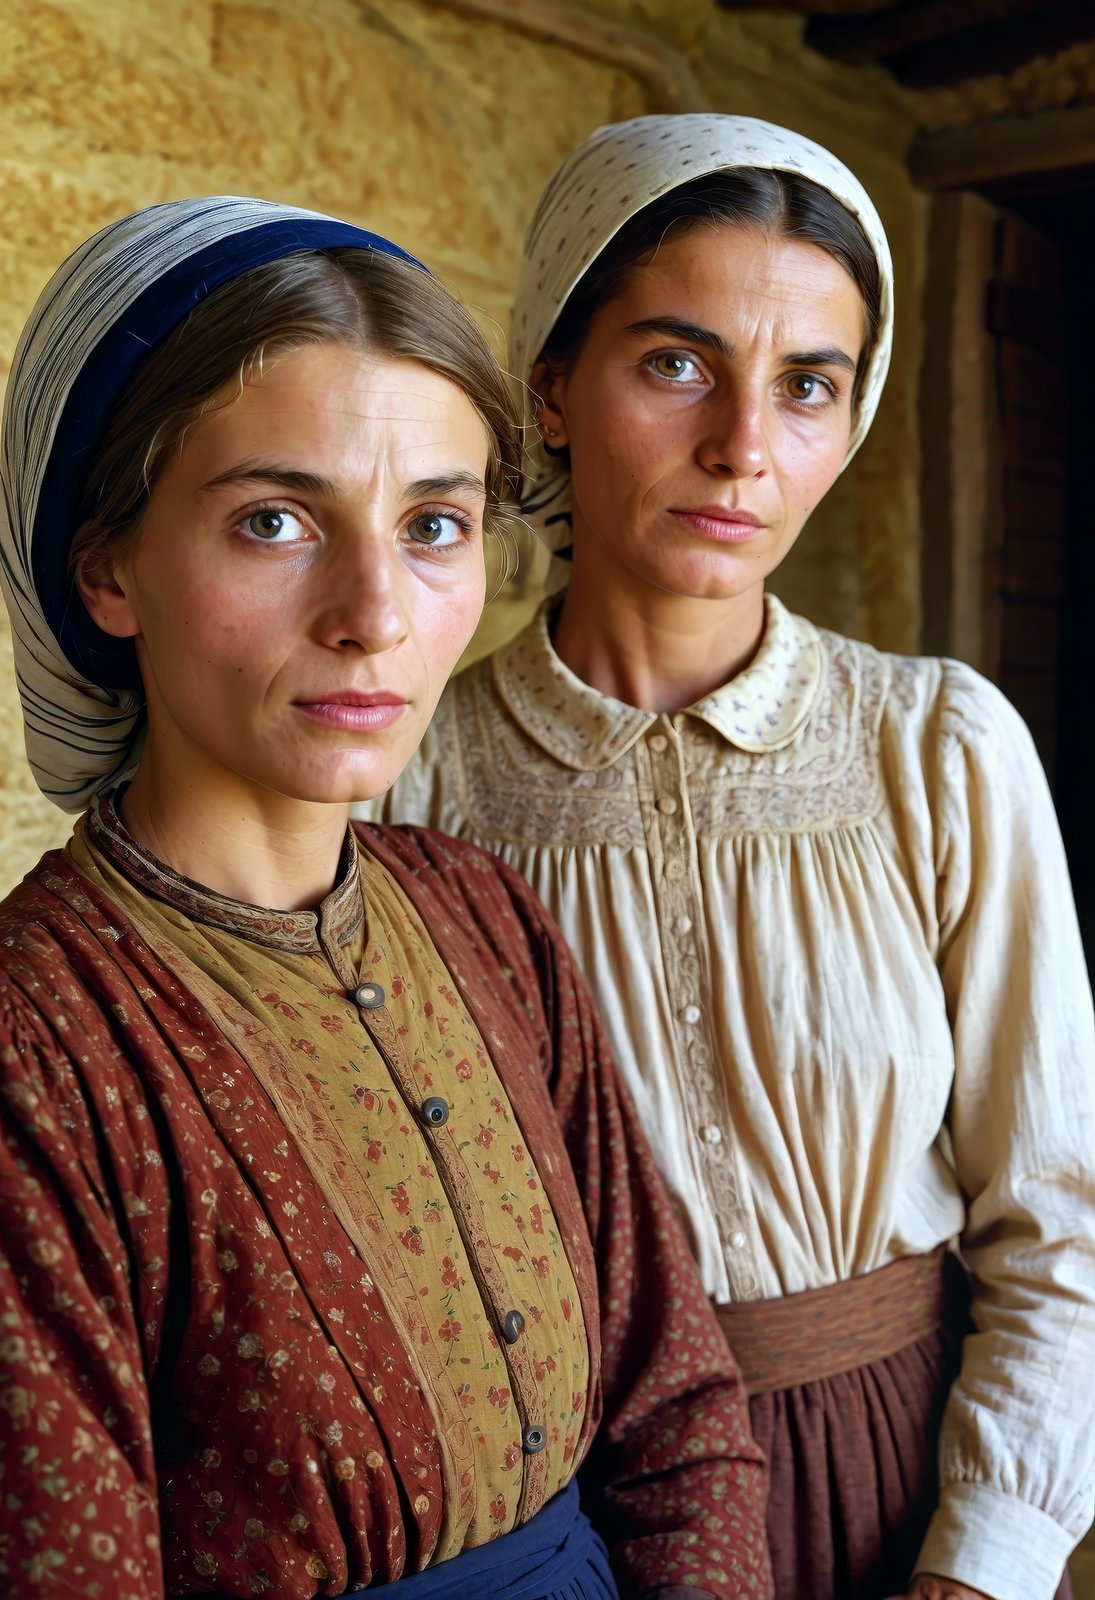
{"x": 847, "y": 1387}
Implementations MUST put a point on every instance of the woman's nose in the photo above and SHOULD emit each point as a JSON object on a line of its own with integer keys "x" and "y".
{"x": 734, "y": 443}
{"x": 363, "y": 604}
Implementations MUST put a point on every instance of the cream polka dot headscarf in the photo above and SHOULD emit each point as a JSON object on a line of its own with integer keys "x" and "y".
{"x": 619, "y": 170}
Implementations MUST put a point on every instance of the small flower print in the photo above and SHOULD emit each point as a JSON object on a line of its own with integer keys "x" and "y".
{"x": 44, "y": 1252}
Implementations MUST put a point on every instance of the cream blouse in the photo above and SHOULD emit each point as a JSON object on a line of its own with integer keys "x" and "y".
{"x": 826, "y": 914}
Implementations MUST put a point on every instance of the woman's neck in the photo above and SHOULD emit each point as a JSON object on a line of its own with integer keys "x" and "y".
{"x": 263, "y": 849}
{"x": 652, "y": 649}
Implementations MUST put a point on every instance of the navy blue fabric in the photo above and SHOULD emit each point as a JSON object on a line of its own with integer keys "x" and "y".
{"x": 556, "y": 1556}
{"x": 143, "y": 325}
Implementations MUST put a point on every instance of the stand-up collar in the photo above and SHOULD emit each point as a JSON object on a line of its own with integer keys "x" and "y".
{"x": 761, "y": 708}
{"x": 338, "y": 918}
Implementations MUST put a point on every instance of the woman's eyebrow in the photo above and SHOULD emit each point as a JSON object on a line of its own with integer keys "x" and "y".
{"x": 829, "y": 356}
{"x": 677, "y": 328}
{"x": 447, "y": 483}
{"x": 293, "y": 478}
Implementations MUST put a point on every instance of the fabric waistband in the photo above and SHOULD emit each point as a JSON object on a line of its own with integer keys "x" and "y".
{"x": 802, "y": 1338}
{"x": 541, "y": 1556}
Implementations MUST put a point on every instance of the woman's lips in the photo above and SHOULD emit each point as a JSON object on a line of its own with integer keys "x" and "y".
{"x": 729, "y": 526}
{"x": 364, "y": 713}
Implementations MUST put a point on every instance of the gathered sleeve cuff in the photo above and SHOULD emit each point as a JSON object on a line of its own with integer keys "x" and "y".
{"x": 1003, "y": 1546}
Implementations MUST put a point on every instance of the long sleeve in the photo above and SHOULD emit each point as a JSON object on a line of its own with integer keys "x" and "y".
{"x": 1018, "y": 1442}
{"x": 76, "y": 1466}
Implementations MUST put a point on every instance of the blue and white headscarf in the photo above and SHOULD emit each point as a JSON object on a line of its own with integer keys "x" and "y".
{"x": 97, "y": 320}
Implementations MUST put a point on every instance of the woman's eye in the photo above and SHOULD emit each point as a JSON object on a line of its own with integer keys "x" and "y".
{"x": 808, "y": 389}
{"x": 670, "y": 364}
{"x": 275, "y": 525}
{"x": 437, "y": 529}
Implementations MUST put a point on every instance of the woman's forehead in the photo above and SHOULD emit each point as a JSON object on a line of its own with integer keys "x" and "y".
{"x": 727, "y": 277}
{"x": 328, "y": 398}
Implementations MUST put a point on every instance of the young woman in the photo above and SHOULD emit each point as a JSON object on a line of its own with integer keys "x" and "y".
{"x": 819, "y": 891}
{"x": 313, "y": 1166}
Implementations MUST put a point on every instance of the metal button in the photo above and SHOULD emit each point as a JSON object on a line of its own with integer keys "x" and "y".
{"x": 435, "y": 1111}
{"x": 368, "y": 996}
{"x": 666, "y": 805}
{"x": 533, "y": 1440}
{"x": 513, "y": 1326}
{"x": 691, "y": 1014}
{"x": 737, "y": 1239}
{"x": 658, "y": 742}
{"x": 712, "y": 1134}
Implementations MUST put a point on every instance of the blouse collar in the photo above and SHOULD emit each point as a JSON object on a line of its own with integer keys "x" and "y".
{"x": 761, "y": 708}
{"x": 338, "y": 918}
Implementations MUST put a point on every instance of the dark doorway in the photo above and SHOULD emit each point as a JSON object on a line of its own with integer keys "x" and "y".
{"x": 1063, "y": 209}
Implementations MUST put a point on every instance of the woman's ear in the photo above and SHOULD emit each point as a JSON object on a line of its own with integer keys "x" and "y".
{"x": 102, "y": 585}
{"x": 548, "y": 385}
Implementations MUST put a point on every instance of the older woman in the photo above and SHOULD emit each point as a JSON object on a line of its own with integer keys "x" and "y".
{"x": 818, "y": 890}
{"x": 313, "y": 1164}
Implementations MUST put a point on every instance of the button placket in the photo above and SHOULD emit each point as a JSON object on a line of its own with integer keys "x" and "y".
{"x": 675, "y": 872}
{"x": 494, "y": 1287}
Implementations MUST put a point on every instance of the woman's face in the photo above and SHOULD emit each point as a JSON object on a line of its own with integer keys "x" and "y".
{"x": 307, "y": 573}
{"x": 708, "y": 411}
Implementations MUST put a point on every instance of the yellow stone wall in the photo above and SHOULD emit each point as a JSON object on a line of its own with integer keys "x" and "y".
{"x": 441, "y": 129}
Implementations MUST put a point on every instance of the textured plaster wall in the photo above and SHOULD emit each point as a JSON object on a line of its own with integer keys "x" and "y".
{"x": 440, "y": 130}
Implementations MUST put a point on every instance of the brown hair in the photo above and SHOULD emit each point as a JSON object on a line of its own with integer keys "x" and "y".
{"x": 362, "y": 298}
{"x": 780, "y": 203}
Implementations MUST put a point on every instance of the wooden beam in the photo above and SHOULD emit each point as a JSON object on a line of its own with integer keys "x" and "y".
{"x": 1004, "y": 147}
{"x": 880, "y": 35}
{"x": 977, "y": 52}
